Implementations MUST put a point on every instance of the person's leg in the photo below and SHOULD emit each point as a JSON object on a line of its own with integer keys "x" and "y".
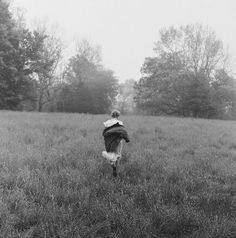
{"x": 118, "y": 157}
{"x": 119, "y": 150}
{"x": 114, "y": 167}
{"x": 114, "y": 157}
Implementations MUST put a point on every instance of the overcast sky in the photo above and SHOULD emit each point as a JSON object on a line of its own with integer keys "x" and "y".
{"x": 127, "y": 29}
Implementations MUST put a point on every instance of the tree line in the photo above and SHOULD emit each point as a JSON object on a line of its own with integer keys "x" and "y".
{"x": 189, "y": 76}
{"x": 31, "y": 78}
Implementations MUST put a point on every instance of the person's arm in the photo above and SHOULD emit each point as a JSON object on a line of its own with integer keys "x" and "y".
{"x": 125, "y": 136}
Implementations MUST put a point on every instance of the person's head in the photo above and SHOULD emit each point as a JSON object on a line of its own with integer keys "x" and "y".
{"x": 115, "y": 114}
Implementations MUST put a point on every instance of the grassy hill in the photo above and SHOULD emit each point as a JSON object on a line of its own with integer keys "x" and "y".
{"x": 177, "y": 178}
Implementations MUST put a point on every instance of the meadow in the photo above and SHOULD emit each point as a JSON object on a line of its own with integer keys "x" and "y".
{"x": 177, "y": 178}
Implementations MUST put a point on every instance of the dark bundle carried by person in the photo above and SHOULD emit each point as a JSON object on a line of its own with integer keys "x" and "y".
{"x": 114, "y": 134}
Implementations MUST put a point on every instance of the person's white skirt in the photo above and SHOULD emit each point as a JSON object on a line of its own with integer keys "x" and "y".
{"x": 113, "y": 157}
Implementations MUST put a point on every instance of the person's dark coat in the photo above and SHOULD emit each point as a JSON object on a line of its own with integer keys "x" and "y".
{"x": 113, "y": 135}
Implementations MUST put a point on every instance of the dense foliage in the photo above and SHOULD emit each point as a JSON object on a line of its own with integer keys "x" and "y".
{"x": 88, "y": 86}
{"x": 188, "y": 76}
{"x": 31, "y": 77}
{"x": 15, "y": 60}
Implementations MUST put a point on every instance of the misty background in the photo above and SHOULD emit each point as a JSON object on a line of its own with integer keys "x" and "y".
{"x": 142, "y": 57}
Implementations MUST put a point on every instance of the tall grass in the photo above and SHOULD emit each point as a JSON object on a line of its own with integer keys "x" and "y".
{"x": 177, "y": 178}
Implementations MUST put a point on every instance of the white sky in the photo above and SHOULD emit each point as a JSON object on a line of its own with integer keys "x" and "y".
{"x": 127, "y": 29}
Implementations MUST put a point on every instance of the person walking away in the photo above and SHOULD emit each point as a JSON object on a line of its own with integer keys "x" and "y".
{"x": 114, "y": 134}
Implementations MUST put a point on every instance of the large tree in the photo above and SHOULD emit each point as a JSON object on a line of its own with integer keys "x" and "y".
{"x": 9, "y": 46}
{"x": 46, "y": 67}
{"x": 23, "y": 55}
{"x": 179, "y": 80}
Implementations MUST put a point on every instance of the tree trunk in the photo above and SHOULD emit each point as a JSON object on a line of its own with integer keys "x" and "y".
{"x": 40, "y": 102}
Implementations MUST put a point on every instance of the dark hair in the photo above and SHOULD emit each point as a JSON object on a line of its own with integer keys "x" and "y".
{"x": 115, "y": 114}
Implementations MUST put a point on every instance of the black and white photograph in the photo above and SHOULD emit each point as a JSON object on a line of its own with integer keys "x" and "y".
{"x": 117, "y": 119}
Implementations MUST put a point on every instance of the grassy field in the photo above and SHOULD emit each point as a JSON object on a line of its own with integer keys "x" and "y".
{"x": 177, "y": 178}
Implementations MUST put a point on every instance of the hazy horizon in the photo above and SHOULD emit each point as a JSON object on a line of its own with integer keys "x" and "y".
{"x": 126, "y": 30}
